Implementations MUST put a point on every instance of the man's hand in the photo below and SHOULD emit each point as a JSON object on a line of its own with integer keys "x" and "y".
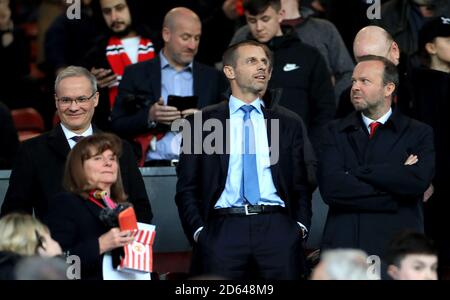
{"x": 105, "y": 77}
{"x": 188, "y": 112}
{"x": 162, "y": 113}
{"x": 411, "y": 160}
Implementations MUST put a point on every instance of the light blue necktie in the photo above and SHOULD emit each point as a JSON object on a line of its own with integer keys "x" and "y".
{"x": 249, "y": 185}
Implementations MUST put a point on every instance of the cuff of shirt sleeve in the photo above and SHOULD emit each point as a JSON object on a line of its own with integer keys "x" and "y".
{"x": 304, "y": 230}
{"x": 197, "y": 233}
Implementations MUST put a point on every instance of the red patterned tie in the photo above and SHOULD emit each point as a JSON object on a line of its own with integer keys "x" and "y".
{"x": 373, "y": 127}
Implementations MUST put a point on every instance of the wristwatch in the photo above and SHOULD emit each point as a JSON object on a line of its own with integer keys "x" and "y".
{"x": 151, "y": 124}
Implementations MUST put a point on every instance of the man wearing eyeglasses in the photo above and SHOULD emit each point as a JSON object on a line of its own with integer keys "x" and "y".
{"x": 38, "y": 171}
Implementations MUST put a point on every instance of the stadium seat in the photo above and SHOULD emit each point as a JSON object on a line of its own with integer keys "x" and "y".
{"x": 28, "y": 122}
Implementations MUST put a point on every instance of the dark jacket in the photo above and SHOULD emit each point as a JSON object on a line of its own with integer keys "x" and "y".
{"x": 301, "y": 72}
{"x": 431, "y": 106}
{"x": 8, "y": 262}
{"x": 75, "y": 224}
{"x": 370, "y": 192}
{"x": 143, "y": 81}
{"x": 39, "y": 170}
{"x": 68, "y": 40}
{"x": 9, "y": 142}
{"x": 202, "y": 177}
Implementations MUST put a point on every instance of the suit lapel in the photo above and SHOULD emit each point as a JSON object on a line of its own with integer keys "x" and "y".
{"x": 154, "y": 73}
{"x": 270, "y": 115}
{"x": 93, "y": 208}
{"x": 58, "y": 143}
{"x": 198, "y": 89}
{"x": 356, "y": 135}
{"x": 386, "y": 138}
{"x": 223, "y": 114}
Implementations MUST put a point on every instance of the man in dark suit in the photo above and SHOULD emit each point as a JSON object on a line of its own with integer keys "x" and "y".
{"x": 142, "y": 102}
{"x": 38, "y": 171}
{"x": 243, "y": 210}
{"x": 374, "y": 165}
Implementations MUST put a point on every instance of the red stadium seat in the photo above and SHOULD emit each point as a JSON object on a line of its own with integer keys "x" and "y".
{"x": 28, "y": 122}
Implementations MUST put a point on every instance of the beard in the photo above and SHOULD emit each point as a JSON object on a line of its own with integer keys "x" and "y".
{"x": 121, "y": 33}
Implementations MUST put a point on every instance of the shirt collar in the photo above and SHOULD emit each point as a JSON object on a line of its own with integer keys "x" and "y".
{"x": 382, "y": 120}
{"x": 70, "y": 134}
{"x": 235, "y": 104}
{"x": 165, "y": 63}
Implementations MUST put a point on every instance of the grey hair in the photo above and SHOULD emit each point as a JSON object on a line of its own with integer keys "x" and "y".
{"x": 75, "y": 71}
{"x": 345, "y": 264}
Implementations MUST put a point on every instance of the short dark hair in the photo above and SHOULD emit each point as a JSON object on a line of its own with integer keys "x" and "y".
{"x": 406, "y": 243}
{"x": 229, "y": 57}
{"x": 390, "y": 72}
{"x": 75, "y": 180}
{"x": 255, "y": 7}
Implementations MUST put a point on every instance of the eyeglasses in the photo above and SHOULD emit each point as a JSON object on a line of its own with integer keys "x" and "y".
{"x": 83, "y": 100}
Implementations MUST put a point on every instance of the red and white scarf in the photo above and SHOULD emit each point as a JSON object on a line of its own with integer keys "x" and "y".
{"x": 118, "y": 60}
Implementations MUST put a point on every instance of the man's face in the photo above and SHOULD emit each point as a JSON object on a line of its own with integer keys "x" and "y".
{"x": 368, "y": 90}
{"x": 265, "y": 25}
{"x": 182, "y": 40}
{"x": 116, "y": 14}
{"x": 74, "y": 115}
{"x": 252, "y": 70}
{"x": 415, "y": 267}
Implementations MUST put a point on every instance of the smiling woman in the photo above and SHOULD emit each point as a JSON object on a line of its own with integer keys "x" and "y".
{"x": 92, "y": 180}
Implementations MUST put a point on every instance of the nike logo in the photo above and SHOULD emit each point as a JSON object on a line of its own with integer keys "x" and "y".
{"x": 290, "y": 67}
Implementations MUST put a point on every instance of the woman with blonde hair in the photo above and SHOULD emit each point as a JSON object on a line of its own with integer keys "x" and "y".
{"x": 22, "y": 235}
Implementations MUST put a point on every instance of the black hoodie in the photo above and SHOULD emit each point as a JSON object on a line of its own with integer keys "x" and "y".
{"x": 301, "y": 72}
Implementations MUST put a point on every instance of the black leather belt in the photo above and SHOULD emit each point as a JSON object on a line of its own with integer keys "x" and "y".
{"x": 248, "y": 210}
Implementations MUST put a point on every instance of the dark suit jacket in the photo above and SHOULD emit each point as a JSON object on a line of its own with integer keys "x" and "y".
{"x": 75, "y": 224}
{"x": 39, "y": 170}
{"x": 9, "y": 142}
{"x": 370, "y": 192}
{"x": 202, "y": 177}
{"x": 144, "y": 80}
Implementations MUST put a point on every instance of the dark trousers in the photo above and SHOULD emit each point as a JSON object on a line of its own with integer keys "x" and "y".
{"x": 267, "y": 246}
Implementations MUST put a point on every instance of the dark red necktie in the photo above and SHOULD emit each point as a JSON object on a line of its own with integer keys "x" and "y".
{"x": 373, "y": 127}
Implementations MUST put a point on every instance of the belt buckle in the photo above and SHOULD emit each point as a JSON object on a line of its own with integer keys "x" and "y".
{"x": 246, "y": 211}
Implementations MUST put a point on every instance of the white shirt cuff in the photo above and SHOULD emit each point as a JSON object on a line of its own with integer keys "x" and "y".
{"x": 197, "y": 233}
{"x": 305, "y": 231}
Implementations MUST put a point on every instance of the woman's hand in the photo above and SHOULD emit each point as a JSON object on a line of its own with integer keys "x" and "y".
{"x": 114, "y": 238}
